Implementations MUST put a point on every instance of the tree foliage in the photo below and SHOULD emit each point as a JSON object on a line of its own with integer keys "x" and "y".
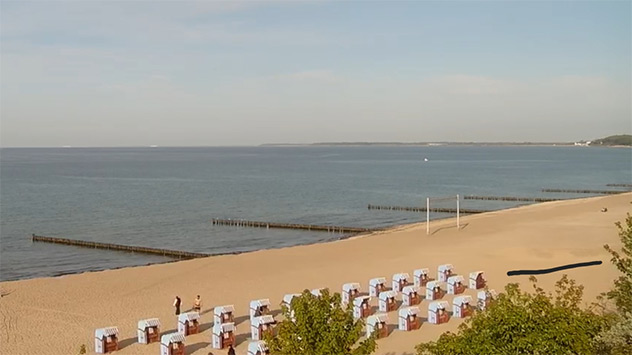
{"x": 621, "y": 293}
{"x": 622, "y": 139}
{"x": 617, "y": 339}
{"x": 520, "y": 322}
{"x": 319, "y": 326}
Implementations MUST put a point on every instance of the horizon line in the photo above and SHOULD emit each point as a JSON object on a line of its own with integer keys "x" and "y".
{"x": 296, "y": 144}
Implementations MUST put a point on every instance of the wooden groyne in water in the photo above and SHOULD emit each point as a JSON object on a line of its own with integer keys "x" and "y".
{"x": 128, "y": 248}
{"x": 602, "y": 192}
{"x": 509, "y": 198}
{"x": 309, "y": 227}
{"x": 620, "y": 185}
{"x": 423, "y": 209}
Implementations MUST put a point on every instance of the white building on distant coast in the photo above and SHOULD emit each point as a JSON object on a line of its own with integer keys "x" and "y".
{"x": 583, "y": 144}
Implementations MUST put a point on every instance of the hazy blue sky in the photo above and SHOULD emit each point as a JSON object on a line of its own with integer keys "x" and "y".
{"x": 132, "y": 73}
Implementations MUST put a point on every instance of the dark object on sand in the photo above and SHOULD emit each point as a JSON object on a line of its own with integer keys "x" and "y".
{"x": 554, "y": 269}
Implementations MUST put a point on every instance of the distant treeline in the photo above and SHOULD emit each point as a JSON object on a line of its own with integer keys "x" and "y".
{"x": 621, "y": 139}
{"x": 422, "y": 144}
{"x": 448, "y": 143}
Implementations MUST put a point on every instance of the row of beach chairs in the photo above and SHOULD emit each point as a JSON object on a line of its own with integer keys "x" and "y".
{"x": 262, "y": 321}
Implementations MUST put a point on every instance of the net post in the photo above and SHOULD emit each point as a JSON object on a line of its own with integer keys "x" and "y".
{"x": 458, "y": 222}
{"x": 427, "y": 215}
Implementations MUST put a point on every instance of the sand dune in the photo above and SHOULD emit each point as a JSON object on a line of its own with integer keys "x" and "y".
{"x": 57, "y": 315}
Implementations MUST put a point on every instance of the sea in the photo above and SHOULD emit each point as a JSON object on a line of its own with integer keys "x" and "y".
{"x": 166, "y": 197}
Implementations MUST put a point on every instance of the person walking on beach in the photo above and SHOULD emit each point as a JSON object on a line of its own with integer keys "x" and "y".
{"x": 176, "y": 304}
{"x": 231, "y": 351}
{"x": 197, "y": 304}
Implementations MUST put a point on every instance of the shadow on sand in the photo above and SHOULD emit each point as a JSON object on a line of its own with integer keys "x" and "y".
{"x": 189, "y": 349}
{"x": 463, "y": 226}
{"x": 127, "y": 342}
{"x": 241, "y": 338}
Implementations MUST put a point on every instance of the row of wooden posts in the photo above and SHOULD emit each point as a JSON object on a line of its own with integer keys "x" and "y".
{"x": 129, "y": 248}
{"x": 311, "y": 227}
{"x": 510, "y": 198}
{"x": 424, "y": 209}
{"x": 620, "y": 185}
{"x": 601, "y": 192}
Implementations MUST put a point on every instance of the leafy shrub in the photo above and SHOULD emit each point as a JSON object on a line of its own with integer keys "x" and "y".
{"x": 520, "y": 322}
{"x": 319, "y": 326}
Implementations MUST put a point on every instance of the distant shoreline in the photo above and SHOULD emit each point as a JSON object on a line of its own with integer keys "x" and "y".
{"x": 435, "y": 144}
{"x": 340, "y": 144}
{"x": 350, "y": 144}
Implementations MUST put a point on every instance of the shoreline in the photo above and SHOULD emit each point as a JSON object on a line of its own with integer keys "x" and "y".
{"x": 526, "y": 237}
{"x": 341, "y": 238}
{"x": 386, "y": 230}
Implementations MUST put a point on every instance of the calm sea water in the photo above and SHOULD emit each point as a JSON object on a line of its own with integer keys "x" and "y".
{"x": 165, "y": 197}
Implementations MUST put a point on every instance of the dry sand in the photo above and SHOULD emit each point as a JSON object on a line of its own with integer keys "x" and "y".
{"x": 57, "y": 315}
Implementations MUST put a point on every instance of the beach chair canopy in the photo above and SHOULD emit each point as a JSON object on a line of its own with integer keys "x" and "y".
{"x": 287, "y": 299}
{"x": 259, "y": 303}
{"x": 445, "y": 267}
{"x": 420, "y": 272}
{"x": 219, "y": 310}
{"x": 267, "y": 319}
{"x": 410, "y": 289}
{"x": 318, "y": 291}
{"x": 189, "y": 316}
{"x": 377, "y": 281}
{"x": 452, "y": 280}
{"x": 219, "y": 328}
{"x": 437, "y": 305}
{"x": 377, "y": 318}
{"x": 461, "y": 300}
{"x": 484, "y": 294}
{"x": 401, "y": 276}
{"x": 172, "y": 338}
{"x": 147, "y": 323}
{"x": 387, "y": 294}
{"x": 258, "y": 345}
{"x": 432, "y": 284}
{"x": 348, "y": 287}
{"x": 359, "y": 300}
{"x": 106, "y": 332}
{"x": 474, "y": 275}
{"x": 408, "y": 311}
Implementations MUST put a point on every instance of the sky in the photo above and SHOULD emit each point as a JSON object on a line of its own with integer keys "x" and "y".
{"x": 213, "y": 73}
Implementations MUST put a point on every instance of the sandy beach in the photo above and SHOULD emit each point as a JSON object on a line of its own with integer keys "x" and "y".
{"x": 58, "y": 315}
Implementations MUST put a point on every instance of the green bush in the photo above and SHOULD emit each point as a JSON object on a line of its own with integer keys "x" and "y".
{"x": 321, "y": 326}
{"x": 520, "y": 322}
{"x": 621, "y": 293}
{"x": 617, "y": 339}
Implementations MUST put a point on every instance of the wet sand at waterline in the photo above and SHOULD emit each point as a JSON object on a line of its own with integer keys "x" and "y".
{"x": 57, "y": 315}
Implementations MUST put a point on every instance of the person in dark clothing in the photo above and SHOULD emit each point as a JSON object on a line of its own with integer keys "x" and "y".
{"x": 176, "y": 304}
{"x": 231, "y": 351}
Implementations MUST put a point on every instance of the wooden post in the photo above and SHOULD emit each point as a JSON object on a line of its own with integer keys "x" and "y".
{"x": 458, "y": 224}
{"x": 427, "y": 215}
